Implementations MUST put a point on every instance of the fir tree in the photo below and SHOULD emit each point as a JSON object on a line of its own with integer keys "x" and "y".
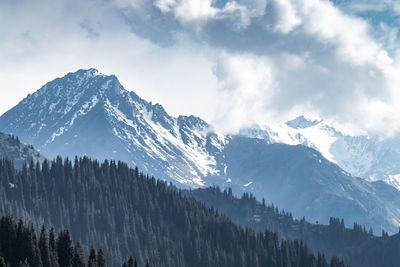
{"x": 92, "y": 258}
{"x": 65, "y": 250}
{"x": 2, "y": 262}
{"x": 101, "y": 259}
{"x": 44, "y": 248}
{"x": 78, "y": 259}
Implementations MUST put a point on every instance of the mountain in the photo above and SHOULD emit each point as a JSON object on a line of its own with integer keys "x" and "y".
{"x": 125, "y": 212}
{"x": 368, "y": 157}
{"x": 88, "y": 113}
{"x": 357, "y": 246}
{"x": 13, "y": 149}
{"x": 300, "y": 180}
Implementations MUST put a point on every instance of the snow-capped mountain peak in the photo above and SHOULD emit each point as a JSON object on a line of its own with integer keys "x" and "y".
{"x": 301, "y": 130}
{"x": 361, "y": 155}
{"x": 302, "y": 122}
{"x": 139, "y": 132}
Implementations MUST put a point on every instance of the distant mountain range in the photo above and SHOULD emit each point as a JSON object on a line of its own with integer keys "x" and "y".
{"x": 88, "y": 113}
{"x": 369, "y": 157}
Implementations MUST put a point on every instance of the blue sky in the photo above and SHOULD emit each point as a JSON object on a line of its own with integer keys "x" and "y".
{"x": 233, "y": 63}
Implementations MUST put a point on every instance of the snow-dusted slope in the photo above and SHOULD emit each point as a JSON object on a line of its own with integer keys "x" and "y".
{"x": 88, "y": 113}
{"x": 362, "y": 156}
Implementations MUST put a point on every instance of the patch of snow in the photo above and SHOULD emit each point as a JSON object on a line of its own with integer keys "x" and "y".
{"x": 117, "y": 114}
{"x": 165, "y": 144}
{"x": 219, "y": 142}
{"x": 248, "y": 184}
{"x": 88, "y": 106}
{"x": 52, "y": 106}
{"x": 393, "y": 180}
{"x": 352, "y": 153}
{"x": 321, "y": 139}
{"x": 71, "y": 103}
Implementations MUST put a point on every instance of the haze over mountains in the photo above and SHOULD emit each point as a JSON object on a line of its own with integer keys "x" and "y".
{"x": 88, "y": 113}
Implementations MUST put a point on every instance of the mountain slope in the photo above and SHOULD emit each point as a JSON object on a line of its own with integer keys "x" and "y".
{"x": 88, "y": 113}
{"x": 369, "y": 157}
{"x": 298, "y": 179}
{"x": 13, "y": 149}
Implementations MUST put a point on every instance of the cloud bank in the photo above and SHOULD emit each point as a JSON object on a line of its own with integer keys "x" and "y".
{"x": 281, "y": 58}
{"x": 237, "y": 62}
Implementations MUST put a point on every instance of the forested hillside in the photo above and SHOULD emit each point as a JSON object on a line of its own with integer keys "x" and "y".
{"x": 12, "y": 148}
{"x": 21, "y": 246}
{"x": 358, "y": 246}
{"x": 127, "y": 213}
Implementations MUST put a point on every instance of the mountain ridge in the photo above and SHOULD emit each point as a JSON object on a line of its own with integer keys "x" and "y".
{"x": 365, "y": 156}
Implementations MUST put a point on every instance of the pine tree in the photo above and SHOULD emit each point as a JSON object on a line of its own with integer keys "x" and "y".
{"x": 2, "y": 262}
{"x": 92, "y": 258}
{"x": 53, "y": 249}
{"x": 44, "y": 248}
{"x": 78, "y": 259}
{"x": 23, "y": 263}
{"x": 64, "y": 249}
{"x": 132, "y": 262}
{"x": 101, "y": 259}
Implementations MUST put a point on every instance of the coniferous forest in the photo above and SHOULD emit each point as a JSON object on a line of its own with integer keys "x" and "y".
{"x": 20, "y": 246}
{"x": 127, "y": 213}
{"x": 357, "y": 246}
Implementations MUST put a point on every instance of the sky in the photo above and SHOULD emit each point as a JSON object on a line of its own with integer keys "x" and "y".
{"x": 233, "y": 63}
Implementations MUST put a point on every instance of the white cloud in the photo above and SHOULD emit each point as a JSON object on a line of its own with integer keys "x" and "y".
{"x": 199, "y": 11}
{"x": 366, "y": 7}
{"x": 273, "y": 59}
{"x": 247, "y": 86}
{"x": 287, "y": 17}
{"x": 396, "y": 7}
{"x": 48, "y": 43}
{"x": 349, "y": 34}
{"x": 188, "y": 10}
